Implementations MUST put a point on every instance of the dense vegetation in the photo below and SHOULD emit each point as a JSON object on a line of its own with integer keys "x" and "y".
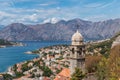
{"x": 77, "y": 75}
{"x": 109, "y": 68}
{"x": 5, "y": 42}
{"x": 105, "y": 62}
{"x": 91, "y": 63}
{"x": 7, "y": 77}
{"x": 103, "y": 47}
{"x": 114, "y": 62}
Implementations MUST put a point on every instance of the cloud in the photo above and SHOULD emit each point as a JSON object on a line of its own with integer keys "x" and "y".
{"x": 33, "y": 17}
{"x": 51, "y": 20}
{"x": 101, "y": 4}
{"x": 58, "y": 8}
{"x": 5, "y": 5}
{"x": 93, "y": 5}
{"x": 38, "y": 11}
{"x": 7, "y": 18}
{"x": 108, "y": 4}
{"x": 48, "y": 3}
{"x": 36, "y": 15}
{"x": 5, "y": 14}
{"x": 45, "y": 4}
{"x": 95, "y": 18}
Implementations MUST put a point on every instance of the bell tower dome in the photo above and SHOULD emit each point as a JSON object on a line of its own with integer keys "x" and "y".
{"x": 77, "y": 38}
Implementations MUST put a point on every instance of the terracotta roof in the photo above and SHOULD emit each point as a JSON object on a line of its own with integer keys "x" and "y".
{"x": 46, "y": 78}
{"x": 63, "y": 75}
{"x": 1, "y": 75}
{"x": 65, "y": 72}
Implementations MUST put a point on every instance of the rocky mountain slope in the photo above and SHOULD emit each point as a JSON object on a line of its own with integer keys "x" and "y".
{"x": 1, "y": 27}
{"x": 61, "y": 30}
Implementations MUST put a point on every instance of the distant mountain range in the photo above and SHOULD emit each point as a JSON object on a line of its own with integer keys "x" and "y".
{"x": 60, "y": 31}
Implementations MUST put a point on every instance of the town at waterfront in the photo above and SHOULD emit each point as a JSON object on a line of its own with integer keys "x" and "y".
{"x": 54, "y": 62}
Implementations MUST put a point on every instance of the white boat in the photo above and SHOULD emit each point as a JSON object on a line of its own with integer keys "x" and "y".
{"x": 28, "y": 52}
{"x": 2, "y": 46}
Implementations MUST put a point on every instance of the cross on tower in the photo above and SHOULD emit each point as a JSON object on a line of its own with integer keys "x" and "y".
{"x": 77, "y": 27}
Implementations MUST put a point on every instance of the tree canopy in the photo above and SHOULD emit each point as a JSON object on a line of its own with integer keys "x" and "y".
{"x": 77, "y": 75}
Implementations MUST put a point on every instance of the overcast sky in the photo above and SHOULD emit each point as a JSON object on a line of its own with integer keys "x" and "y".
{"x": 39, "y": 11}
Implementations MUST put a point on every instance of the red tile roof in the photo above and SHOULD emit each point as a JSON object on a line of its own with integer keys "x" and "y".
{"x": 63, "y": 75}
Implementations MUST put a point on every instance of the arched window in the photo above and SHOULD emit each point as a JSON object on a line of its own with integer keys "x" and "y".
{"x": 80, "y": 49}
{"x": 73, "y": 50}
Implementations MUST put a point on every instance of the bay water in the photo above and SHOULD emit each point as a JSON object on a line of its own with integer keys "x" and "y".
{"x": 12, "y": 55}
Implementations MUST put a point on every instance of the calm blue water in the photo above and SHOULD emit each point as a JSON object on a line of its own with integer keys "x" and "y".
{"x": 12, "y": 55}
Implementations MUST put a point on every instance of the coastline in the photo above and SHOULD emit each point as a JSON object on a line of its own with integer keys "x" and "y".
{"x": 54, "y": 58}
{"x": 18, "y": 52}
{"x": 12, "y": 45}
{"x": 53, "y": 55}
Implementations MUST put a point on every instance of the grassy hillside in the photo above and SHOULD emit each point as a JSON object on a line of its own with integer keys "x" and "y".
{"x": 102, "y": 47}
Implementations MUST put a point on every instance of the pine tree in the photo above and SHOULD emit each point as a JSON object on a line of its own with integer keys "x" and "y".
{"x": 102, "y": 69}
{"x": 77, "y": 75}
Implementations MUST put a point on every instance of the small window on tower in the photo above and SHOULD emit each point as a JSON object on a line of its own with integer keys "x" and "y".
{"x": 72, "y": 50}
{"x": 79, "y": 52}
{"x": 80, "y": 49}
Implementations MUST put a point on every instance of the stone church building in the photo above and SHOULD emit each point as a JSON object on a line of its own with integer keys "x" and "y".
{"x": 77, "y": 57}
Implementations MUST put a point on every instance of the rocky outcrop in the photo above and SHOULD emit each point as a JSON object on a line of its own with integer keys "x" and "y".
{"x": 116, "y": 42}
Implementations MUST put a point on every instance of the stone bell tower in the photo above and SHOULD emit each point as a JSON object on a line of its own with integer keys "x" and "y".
{"x": 77, "y": 57}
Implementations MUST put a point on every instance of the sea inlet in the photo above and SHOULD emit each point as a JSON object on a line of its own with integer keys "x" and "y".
{"x": 12, "y": 55}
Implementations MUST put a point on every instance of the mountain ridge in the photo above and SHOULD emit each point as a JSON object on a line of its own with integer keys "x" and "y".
{"x": 61, "y": 31}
